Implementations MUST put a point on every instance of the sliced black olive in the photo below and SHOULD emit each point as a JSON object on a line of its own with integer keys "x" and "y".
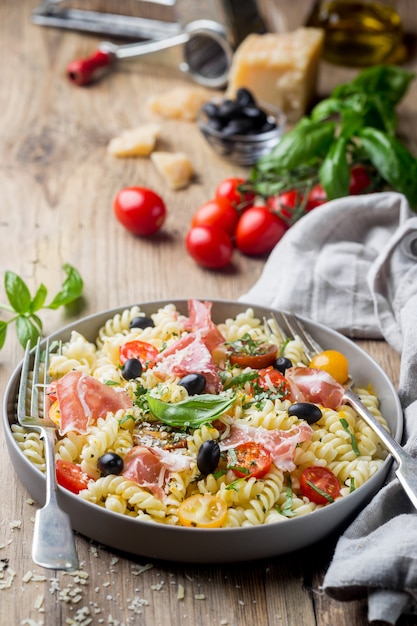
{"x": 282, "y": 364}
{"x": 141, "y": 322}
{"x": 305, "y": 411}
{"x": 208, "y": 457}
{"x": 193, "y": 383}
{"x": 132, "y": 368}
{"x": 110, "y": 463}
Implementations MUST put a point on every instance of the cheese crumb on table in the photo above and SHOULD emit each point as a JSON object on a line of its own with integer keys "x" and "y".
{"x": 181, "y": 103}
{"x": 280, "y": 69}
{"x": 175, "y": 167}
{"x": 138, "y": 141}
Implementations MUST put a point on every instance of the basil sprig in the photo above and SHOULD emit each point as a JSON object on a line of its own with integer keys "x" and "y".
{"x": 355, "y": 125}
{"x": 192, "y": 412}
{"x": 25, "y": 308}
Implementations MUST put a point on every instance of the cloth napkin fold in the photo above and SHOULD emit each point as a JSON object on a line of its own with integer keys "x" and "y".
{"x": 352, "y": 265}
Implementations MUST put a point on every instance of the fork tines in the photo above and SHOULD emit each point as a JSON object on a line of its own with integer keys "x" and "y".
{"x": 291, "y": 327}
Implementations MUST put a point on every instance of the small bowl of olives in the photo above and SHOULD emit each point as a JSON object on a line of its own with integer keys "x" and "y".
{"x": 241, "y": 129}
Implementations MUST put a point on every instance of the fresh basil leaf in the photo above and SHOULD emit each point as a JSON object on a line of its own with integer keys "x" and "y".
{"x": 39, "y": 298}
{"x": 37, "y": 322}
{"x": 71, "y": 288}
{"x": 17, "y": 292}
{"x": 26, "y": 331}
{"x": 391, "y": 82}
{"x": 307, "y": 142}
{"x": 3, "y": 333}
{"x": 393, "y": 161}
{"x": 191, "y": 412}
{"x": 326, "y": 108}
{"x": 334, "y": 172}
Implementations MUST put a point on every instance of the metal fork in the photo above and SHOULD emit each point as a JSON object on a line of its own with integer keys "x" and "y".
{"x": 406, "y": 470}
{"x": 53, "y": 541}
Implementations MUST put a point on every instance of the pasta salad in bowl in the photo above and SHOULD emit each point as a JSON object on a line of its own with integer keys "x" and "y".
{"x": 182, "y": 434}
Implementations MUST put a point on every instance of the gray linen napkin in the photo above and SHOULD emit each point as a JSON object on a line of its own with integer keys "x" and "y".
{"x": 352, "y": 265}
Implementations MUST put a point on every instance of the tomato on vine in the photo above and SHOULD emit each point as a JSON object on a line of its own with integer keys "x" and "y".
{"x": 258, "y": 231}
{"x": 229, "y": 188}
{"x": 217, "y": 212}
{"x": 209, "y": 246}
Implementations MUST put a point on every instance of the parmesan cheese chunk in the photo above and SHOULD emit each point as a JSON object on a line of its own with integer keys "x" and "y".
{"x": 182, "y": 103}
{"x": 138, "y": 141}
{"x": 279, "y": 68}
{"x": 175, "y": 167}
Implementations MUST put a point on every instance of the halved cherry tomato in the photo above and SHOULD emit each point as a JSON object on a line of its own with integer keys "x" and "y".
{"x": 334, "y": 363}
{"x": 70, "y": 476}
{"x": 218, "y": 212}
{"x": 249, "y": 459}
{"x": 319, "y": 485}
{"x": 209, "y": 246}
{"x": 258, "y": 231}
{"x": 145, "y": 352}
{"x": 272, "y": 379}
{"x": 54, "y": 413}
{"x": 229, "y": 189}
{"x": 265, "y": 355}
{"x": 139, "y": 210}
{"x": 202, "y": 511}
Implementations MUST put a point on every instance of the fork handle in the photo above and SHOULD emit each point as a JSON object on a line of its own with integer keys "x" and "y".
{"x": 390, "y": 443}
{"x": 53, "y": 540}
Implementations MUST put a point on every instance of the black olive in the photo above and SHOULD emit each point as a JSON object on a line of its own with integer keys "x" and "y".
{"x": 141, "y": 322}
{"x": 305, "y": 411}
{"x": 132, "y": 368}
{"x": 244, "y": 97}
{"x": 229, "y": 110}
{"x": 193, "y": 383}
{"x": 282, "y": 364}
{"x": 208, "y": 457}
{"x": 110, "y": 463}
{"x": 211, "y": 109}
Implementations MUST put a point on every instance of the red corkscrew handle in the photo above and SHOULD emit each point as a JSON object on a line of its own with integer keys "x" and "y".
{"x": 84, "y": 71}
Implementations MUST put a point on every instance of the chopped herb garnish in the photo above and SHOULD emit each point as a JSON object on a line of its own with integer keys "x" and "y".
{"x": 320, "y": 491}
{"x": 352, "y": 484}
{"x": 351, "y": 435}
{"x": 286, "y": 509}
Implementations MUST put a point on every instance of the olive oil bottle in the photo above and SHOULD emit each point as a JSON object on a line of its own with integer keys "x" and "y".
{"x": 359, "y": 33}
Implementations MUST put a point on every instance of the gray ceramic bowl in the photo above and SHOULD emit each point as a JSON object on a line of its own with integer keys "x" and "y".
{"x": 196, "y": 545}
{"x": 244, "y": 149}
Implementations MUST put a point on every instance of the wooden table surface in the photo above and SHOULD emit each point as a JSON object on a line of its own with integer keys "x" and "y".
{"x": 56, "y": 188}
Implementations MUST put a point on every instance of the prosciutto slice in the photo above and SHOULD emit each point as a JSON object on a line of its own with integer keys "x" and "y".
{"x": 189, "y": 355}
{"x": 280, "y": 444}
{"x": 200, "y": 321}
{"x": 83, "y": 399}
{"x": 149, "y": 467}
{"x": 313, "y": 385}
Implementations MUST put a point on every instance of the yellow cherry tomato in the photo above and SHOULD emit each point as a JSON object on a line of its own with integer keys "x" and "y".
{"x": 202, "y": 511}
{"x": 54, "y": 413}
{"x": 334, "y": 363}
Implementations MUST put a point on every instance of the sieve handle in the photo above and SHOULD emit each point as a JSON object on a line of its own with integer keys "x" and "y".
{"x": 84, "y": 71}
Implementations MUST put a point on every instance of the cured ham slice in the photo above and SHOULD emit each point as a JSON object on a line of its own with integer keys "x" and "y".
{"x": 199, "y": 321}
{"x": 148, "y": 467}
{"x": 83, "y": 399}
{"x": 313, "y": 385}
{"x": 280, "y": 444}
{"x": 189, "y": 355}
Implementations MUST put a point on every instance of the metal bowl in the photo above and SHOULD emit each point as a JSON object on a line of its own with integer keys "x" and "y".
{"x": 239, "y": 148}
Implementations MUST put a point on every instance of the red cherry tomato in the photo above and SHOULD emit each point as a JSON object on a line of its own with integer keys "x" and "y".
{"x": 209, "y": 246}
{"x": 360, "y": 181}
{"x": 70, "y": 476}
{"x": 229, "y": 189}
{"x": 258, "y": 231}
{"x": 316, "y": 197}
{"x": 141, "y": 211}
{"x": 249, "y": 459}
{"x": 271, "y": 379}
{"x": 145, "y": 352}
{"x": 319, "y": 485}
{"x": 218, "y": 212}
{"x": 285, "y": 204}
